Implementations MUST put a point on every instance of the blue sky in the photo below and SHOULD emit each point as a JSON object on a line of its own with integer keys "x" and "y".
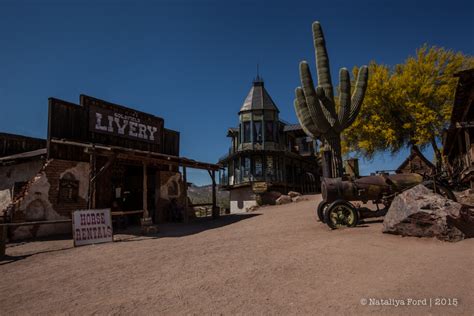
{"x": 192, "y": 62}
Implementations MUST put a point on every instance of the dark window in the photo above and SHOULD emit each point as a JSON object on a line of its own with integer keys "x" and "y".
{"x": 269, "y": 131}
{"x": 258, "y": 166}
{"x": 246, "y": 132}
{"x": 270, "y": 166}
{"x": 68, "y": 189}
{"x": 257, "y": 132}
{"x": 305, "y": 145}
{"x": 246, "y": 165}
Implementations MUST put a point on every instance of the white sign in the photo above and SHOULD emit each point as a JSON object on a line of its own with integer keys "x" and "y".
{"x": 91, "y": 227}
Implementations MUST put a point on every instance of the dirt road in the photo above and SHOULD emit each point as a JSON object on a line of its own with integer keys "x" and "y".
{"x": 278, "y": 260}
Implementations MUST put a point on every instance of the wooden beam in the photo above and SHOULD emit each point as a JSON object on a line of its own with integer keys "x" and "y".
{"x": 91, "y": 189}
{"x": 185, "y": 180}
{"x": 215, "y": 210}
{"x": 104, "y": 167}
{"x": 3, "y": 240}
{"x": 145, "y": 192}
{"x": 158, "y": 211}
{"x": 57, "y": 221}
{"x": 140, "y": 154}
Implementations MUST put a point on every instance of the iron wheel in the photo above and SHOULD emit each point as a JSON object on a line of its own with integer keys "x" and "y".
{"x": 341, "y": 214}
{"x": 321, "y": 208}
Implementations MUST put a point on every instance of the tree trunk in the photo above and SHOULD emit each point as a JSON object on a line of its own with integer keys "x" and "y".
{"x": 333, "y": 142}
{"x": 439, "y": 157}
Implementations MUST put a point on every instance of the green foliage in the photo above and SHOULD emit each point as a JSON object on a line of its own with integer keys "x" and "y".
{"x": 408, "y": 103}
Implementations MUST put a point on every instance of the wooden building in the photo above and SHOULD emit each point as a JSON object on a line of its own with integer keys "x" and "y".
{"x": 416, "y": 162}
{"x": 458, "y": 140}
{"x": 97, "y": 155}
{"x": 266, "y": 152}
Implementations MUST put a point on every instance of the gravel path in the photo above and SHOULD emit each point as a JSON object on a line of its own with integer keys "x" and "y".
{"x": 278, "y": 260}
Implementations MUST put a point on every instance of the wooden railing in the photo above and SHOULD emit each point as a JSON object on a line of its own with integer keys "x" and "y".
{"x": 4, "y": 226}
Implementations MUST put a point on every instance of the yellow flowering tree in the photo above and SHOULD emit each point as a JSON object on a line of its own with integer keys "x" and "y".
{"x": 409, "y": 103}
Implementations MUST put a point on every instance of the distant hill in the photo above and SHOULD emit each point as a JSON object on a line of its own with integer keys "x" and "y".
{"x": 203, "y": 194}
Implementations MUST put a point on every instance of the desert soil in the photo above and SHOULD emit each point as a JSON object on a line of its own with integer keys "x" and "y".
{"x": 277, "y": 260}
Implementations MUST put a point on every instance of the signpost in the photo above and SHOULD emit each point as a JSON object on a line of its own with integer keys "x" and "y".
{"x": 259, "y": 187}
{"x": 92, "y": 227}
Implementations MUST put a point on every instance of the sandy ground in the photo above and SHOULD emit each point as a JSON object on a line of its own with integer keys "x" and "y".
{"x": 278, "y": 260}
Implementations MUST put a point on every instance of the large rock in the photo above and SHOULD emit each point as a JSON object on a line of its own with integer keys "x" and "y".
{"x": 284, "y": 199}
{"x": 252, "y": 208}
{"x": 293, "y": 194}
{"x": 269, "y": 198}
{"x": 299, "y": 198}
{"x": 420, "y": 212}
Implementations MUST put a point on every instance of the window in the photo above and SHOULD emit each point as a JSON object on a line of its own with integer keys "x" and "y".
{"x": 305, "y": 145}
{"x": 246, "y": 167}
{"x": 257, "y": 132}
{"x": 237, "y": 171}
{"x": 269, "y": 169}
{"x": 269, "y": 131}
{"x": 68, "y": 188}
{"x": 258, "y": 166}
{"x": 246, "y": 132}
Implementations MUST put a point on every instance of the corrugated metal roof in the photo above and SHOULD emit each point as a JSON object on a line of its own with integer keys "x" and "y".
{"x": 258, "y": 99}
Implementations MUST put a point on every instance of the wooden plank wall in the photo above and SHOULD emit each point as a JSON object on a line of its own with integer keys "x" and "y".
{"x": 70, "y": 121}
{"x": 11, "y": 144}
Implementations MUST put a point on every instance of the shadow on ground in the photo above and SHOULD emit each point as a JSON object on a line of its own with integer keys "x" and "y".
{"x": 132, "y": 233}
{"x": 170, "y": 230}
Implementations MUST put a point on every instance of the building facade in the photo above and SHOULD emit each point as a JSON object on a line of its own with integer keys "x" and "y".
{"x": 266, "y": 154}
{"x": 458, "y": 139}
{"x": 97, "y": 155}
{"x": 416, "y": 162}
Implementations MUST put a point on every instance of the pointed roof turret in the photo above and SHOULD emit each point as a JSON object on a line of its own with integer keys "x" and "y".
{"x": 258, "y": 98}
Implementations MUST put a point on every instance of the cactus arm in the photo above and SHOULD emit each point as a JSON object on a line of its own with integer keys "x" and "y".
{"x": 344, "y": 96}
{"x": 316, "y": 111}
{"x": 327, "y": 106}
{"x": 358, "y": 95}
{"x": 304, "y": 114}
{"x": 322, "y": 60}
{"x": 305, "y": 120}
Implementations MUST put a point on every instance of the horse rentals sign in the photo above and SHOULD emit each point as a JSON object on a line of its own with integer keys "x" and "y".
{"x": 92, "y": 227}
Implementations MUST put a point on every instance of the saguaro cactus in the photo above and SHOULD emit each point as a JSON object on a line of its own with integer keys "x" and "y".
{"x": 316, "y": 108}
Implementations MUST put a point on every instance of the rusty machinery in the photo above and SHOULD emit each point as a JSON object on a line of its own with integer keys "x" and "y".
{"x": 338, "y": 208}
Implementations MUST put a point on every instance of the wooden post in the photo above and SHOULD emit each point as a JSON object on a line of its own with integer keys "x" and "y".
{"x": 3, "y": 240}
{"x": 215, "y": 210}
{"x": 158, "y": 210}
{"x": 467, "y": 141}
{"x": 91, "y": 191}
{"x": 145, "y": 192}
{"x": 185, "y": 180}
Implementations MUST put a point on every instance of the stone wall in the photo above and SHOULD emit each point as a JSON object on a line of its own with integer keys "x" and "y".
{"x": 41, "y": 199}
{"x": 11, "y": 174}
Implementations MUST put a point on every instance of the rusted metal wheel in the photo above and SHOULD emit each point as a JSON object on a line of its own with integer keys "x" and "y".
{"x": 340, "y": 214}
{"x": 320, "y": 211}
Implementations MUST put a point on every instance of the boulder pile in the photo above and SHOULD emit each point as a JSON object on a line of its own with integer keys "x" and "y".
{"x": 291, "y": 197}
{"x": 420, "y": 212}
